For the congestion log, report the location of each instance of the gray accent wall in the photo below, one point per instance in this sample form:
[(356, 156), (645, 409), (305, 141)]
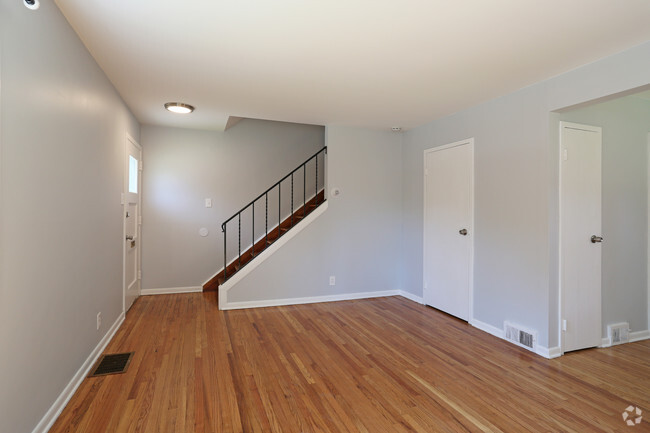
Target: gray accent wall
[(516, 190), (183, 167), (62, 137), (626, 123), (357, 239)]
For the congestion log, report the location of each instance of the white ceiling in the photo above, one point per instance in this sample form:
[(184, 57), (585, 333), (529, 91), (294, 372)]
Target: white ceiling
[(371, 63)]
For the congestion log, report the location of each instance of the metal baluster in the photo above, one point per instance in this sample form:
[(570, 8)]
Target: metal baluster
[(291, 199), (279, 207), (266, 221), (225, 235), (239, 240), (304, 189), (316, 185), (253, 234)]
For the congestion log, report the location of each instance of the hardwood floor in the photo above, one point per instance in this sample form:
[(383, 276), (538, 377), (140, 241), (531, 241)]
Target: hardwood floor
[(371, 366)]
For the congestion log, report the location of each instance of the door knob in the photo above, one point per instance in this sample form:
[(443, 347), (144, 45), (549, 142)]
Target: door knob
[(595, 239), (129, 237), (463, 232)]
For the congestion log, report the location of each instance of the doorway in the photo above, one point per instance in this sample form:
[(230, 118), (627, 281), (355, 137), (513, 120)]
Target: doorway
[(580, 235), (132, 222), (449, 227)]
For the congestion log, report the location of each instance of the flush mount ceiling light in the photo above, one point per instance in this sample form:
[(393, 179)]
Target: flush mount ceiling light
[(179, 107)]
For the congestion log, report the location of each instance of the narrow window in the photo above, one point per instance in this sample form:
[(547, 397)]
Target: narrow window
[(133, 175)]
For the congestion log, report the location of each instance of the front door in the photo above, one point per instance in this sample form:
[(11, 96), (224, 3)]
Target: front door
[(580, 234), (448, 231), (132, 222)]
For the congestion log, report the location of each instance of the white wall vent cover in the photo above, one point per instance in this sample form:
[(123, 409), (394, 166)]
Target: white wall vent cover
[(619, 333), (519, 335)]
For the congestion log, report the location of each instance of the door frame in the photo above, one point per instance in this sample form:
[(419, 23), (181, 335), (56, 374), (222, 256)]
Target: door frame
[(467, 142), (580, 126), (125, 187)]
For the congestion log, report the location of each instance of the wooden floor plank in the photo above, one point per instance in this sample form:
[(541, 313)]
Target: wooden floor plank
[(364, 366)]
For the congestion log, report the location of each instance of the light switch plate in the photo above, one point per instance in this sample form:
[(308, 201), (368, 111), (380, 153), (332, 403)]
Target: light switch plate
[(208, 202)]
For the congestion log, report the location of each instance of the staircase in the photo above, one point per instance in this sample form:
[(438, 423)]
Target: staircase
[(280, 208)]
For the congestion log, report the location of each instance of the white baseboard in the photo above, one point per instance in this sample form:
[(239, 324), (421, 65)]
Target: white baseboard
[(634, 336), (639, 335), (549, 352), (55, 410), (493, 330), (170, 290), (546, 352), (411, 296), (306, 300)]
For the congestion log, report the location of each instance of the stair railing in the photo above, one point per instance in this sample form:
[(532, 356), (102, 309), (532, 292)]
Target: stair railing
[(304, 166)]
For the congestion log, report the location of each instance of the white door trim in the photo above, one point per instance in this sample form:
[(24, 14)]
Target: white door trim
[(648, 229), (125, 187), (581, 127), (469, 142)]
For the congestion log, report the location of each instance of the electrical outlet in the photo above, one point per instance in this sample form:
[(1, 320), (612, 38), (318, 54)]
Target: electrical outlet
[(332, 280), (99, 320)]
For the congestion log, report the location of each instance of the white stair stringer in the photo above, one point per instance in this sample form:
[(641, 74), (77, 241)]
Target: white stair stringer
[(268, 252)]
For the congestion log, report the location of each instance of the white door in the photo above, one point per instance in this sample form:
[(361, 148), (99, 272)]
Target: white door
[(132, 221), (448, 231), (580, 235)]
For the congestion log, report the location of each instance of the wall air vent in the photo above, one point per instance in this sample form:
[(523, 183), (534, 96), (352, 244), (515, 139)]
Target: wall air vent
[(519, 335), (619, 333)]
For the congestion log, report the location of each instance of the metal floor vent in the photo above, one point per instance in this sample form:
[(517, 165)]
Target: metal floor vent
[(519, 335), (112, 364)]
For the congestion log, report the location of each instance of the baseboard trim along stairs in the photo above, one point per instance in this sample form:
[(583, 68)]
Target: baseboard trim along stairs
[(260, 258)]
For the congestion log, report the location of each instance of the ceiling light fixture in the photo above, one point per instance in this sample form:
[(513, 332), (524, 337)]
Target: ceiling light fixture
[(179, 107), (32, 4)]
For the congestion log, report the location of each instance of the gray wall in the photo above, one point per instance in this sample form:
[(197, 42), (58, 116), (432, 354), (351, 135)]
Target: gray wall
[(516, 209), (357, 239), (625, 123), (182, 167), (62, 148)]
